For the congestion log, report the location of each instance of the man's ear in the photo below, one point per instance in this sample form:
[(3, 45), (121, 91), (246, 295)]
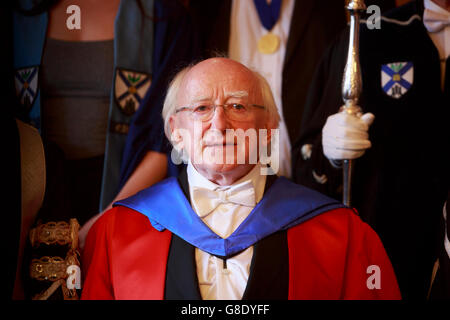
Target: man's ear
[(172, 129), (269, 127), (176, 135)]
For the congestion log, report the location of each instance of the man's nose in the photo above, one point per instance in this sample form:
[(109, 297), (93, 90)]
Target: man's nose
[(219, 120)]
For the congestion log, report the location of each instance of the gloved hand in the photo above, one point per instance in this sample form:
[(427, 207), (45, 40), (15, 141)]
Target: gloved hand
[(345, 136)]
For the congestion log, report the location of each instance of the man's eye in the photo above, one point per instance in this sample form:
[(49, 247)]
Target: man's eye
[(238, 107), (201, 109)]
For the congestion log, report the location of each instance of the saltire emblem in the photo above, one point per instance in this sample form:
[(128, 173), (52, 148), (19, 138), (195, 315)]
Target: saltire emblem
[(130, 89), (26, 83), (397, 78)]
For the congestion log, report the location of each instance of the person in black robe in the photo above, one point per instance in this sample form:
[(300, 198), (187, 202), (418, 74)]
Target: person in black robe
[(400, 184)]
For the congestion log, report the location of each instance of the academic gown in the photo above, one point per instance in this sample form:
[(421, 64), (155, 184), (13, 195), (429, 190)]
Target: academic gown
[(401, 182), (325, 253)]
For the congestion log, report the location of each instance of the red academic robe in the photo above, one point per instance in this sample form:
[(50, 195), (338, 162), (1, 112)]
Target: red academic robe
[(331, 256)]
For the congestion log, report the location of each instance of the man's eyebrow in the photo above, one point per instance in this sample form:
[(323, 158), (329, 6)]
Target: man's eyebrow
[(201, 98), (237, 94), (234, 94)]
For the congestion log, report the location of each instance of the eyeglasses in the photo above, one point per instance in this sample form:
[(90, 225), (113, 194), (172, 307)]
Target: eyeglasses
[(233, 111)]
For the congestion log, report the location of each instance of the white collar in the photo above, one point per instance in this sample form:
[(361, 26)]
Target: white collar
[(196, 179), (431, 6)]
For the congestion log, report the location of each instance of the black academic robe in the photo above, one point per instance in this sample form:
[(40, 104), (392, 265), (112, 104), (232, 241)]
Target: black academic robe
[(400, 184)]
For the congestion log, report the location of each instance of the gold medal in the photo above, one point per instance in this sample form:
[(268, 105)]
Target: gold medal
[(269, 43)]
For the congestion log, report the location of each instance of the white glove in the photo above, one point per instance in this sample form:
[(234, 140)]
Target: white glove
[(345, 136)]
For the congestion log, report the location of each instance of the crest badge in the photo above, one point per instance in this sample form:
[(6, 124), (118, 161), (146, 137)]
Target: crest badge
[(130, 88), (26, 83), (397, 78)]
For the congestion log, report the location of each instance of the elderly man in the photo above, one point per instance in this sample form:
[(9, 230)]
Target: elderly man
[(225, 229)]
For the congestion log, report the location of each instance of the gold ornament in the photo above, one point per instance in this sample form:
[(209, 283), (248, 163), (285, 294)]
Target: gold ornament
[(269, 43)]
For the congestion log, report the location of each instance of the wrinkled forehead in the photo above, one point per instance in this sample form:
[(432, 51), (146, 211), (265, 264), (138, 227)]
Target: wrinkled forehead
[(218, 79)]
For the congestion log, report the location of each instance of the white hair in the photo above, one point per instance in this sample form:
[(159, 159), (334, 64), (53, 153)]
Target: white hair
[(170, 102), (170, 106), (268, 100)]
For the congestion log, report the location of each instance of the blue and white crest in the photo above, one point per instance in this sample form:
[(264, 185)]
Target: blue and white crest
[(397, 78), (26, 83), (130, 88)]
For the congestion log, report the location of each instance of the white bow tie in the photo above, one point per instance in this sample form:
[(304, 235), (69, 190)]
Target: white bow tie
[(205, 201), (434, 21)]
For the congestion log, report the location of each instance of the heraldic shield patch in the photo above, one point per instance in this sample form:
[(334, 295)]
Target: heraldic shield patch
[(397, 78), (130, 88), (26, 83)]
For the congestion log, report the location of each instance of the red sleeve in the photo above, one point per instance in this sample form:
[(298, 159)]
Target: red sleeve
[(95, 260), (368, 270)]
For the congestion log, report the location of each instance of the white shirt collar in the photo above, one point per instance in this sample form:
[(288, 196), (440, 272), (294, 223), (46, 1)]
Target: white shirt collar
[(441, 39), (195, 179), (431, 6)]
